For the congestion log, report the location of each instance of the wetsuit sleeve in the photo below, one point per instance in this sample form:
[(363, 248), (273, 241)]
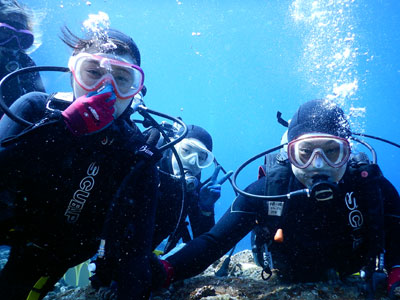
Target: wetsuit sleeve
[(131, 230), (30, 107), (237, 221), (199, 222), (20, 155), (392, 223)]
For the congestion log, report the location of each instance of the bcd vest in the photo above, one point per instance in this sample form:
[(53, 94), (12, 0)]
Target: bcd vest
[(279, 179)]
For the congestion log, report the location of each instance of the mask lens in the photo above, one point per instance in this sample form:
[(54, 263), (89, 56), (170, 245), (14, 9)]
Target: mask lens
[(303, 152), (128, 80), (89, 73), (25, 39), (334, 150), (5, 34), (17, 39), (185, 149)]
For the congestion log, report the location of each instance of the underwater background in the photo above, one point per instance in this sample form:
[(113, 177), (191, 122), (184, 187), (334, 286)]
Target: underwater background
[(230, 65)]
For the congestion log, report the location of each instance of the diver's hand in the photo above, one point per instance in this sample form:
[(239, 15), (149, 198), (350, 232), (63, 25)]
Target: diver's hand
[(102, 273), (169, 272), (211, 191), (394, 283), (162, 273), (107, 293), (92, 112)]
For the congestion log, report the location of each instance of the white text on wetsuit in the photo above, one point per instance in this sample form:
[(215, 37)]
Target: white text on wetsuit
[(80, 196), (356, 219)]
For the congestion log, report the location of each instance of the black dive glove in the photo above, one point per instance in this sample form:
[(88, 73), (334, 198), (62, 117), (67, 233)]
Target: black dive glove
[(162, 273), (108, 293), (102, 274)]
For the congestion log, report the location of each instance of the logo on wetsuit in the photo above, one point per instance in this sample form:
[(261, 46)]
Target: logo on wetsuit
[(356, 219), (77, 202), (146, 149)]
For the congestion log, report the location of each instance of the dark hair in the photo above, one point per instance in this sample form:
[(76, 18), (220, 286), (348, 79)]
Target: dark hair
[(319, 116), (16, 14), (100, 41)]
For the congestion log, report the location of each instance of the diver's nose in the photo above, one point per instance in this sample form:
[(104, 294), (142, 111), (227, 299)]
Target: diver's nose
[(318, 161), (108, 80), (192, 160)]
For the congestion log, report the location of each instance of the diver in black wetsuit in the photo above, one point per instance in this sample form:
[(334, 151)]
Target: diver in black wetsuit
[(194, 151), (351, 217), (195, 154), (79, 177), (15, 38)]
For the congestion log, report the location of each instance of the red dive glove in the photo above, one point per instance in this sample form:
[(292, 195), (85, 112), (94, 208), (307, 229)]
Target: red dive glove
[(393, 280), (92, 112), (169, 270)]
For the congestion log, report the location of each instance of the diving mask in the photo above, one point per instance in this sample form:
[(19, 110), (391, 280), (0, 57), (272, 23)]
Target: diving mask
[(193, 153), (91, 71), (335, 151), (18, 39)]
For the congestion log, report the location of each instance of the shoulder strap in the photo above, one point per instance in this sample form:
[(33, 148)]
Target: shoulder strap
[(277, 171), (361, 170)]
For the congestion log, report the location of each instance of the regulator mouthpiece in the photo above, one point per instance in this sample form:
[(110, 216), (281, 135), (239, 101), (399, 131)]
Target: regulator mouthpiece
[(322, 189), (191, 182)]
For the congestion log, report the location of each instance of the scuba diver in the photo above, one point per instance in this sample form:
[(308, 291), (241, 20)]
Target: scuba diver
[(195, 153), (16, 37), (320, 211), (173, 207), (82, 177)]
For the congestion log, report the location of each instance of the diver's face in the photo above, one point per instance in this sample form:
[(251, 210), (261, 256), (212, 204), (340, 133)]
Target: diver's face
[(194, 156), (318, 155), (120, 104), (307, 176)]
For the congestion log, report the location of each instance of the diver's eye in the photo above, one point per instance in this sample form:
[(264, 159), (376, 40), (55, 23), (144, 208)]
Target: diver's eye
[(94, 73), (185, 151), (305, 154), (202, 157), (330, 151), (122, 79), (305, 151)]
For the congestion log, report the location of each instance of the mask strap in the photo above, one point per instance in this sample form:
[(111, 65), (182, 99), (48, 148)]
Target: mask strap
[(280, 120)]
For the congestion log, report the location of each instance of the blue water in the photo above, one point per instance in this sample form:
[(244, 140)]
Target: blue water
[(229, 66)]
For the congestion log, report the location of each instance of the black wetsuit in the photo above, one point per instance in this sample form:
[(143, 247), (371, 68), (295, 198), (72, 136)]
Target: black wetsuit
[(344, 233), (30, 107), (169, 209), (15, 88), (170, 205), (65, 188)]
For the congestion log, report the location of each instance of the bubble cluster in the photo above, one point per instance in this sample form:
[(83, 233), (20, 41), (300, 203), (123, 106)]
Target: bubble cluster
[(330, 55), (97, 25)]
